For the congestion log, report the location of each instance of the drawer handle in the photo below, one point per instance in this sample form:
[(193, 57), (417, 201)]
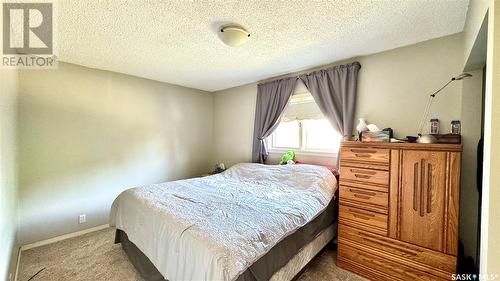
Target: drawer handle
[(362, 194), (366, 172), (422, 188), (364, 151), (363, 217), (354, 211), (429, 188), (362, 176), (369, 193), (362, 155)]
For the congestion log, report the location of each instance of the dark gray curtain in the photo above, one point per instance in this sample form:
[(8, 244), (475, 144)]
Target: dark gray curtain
[(272, 98), (334, 90)]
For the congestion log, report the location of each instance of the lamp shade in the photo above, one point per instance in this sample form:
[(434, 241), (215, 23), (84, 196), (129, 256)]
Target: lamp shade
[(462, 76), (233, 35)]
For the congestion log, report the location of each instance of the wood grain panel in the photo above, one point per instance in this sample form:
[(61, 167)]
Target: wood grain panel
[(394, 186), (372, 208), (361, 175), (367, 258), (363, 197), (367, 165), (368, 220), (403, 146), (453, 203), (363, 185), (364, 154), (423, 190), (398, 218), (443, 263)]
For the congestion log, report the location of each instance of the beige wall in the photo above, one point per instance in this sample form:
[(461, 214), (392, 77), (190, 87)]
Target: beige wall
[(85, 135), (8, 182), (394, 86), (395, 83), (470, 118), (475, 14), (234, 111)]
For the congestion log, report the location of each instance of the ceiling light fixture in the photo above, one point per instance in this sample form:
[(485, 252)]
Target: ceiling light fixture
[(233, 35)]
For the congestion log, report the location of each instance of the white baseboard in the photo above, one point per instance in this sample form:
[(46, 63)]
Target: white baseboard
[(17, 265), (62, 237)]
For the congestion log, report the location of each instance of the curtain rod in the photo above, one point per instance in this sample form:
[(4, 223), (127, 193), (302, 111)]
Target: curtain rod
[(297, 74)]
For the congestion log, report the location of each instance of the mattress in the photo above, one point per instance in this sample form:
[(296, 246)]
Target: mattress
[(283, 262), (217, 227)]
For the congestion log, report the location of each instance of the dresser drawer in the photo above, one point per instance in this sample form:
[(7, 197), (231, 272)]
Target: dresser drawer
[(363, 196), (440, 264), (364, 219), (388, 269), (365, 155), (369, 176)]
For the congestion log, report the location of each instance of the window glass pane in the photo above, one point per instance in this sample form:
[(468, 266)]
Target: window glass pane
[(287, 135), (319, 135)]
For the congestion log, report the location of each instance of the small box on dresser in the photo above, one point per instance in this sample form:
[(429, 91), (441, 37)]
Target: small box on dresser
[(398, 215)]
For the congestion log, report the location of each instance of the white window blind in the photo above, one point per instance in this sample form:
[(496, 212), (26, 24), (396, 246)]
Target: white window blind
[(301, 107)]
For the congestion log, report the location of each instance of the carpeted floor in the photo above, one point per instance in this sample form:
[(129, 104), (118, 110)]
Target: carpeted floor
[(94, 256)]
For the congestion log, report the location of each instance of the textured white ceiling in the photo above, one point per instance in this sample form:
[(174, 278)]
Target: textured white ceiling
[(176, 41)]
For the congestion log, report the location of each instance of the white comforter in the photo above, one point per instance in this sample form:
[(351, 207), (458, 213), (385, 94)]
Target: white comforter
[(214, 228)]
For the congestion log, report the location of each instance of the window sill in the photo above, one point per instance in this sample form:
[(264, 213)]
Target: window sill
[(305, 153)]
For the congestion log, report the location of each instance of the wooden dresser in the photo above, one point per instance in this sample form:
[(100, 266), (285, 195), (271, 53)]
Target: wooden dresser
[(398, 215)]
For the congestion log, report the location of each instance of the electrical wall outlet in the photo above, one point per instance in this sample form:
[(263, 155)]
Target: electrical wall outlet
[(82, 218)]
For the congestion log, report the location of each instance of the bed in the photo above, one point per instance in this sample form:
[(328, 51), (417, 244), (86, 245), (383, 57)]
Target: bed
[(251, 222)]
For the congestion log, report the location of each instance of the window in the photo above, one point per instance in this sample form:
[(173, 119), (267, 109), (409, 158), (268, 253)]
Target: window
[(304, 129), (286, 135), (320, 136)]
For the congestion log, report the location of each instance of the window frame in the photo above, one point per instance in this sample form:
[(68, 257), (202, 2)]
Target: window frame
[(301, 150)]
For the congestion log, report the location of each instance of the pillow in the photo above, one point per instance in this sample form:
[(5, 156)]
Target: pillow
[(334, 171)]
